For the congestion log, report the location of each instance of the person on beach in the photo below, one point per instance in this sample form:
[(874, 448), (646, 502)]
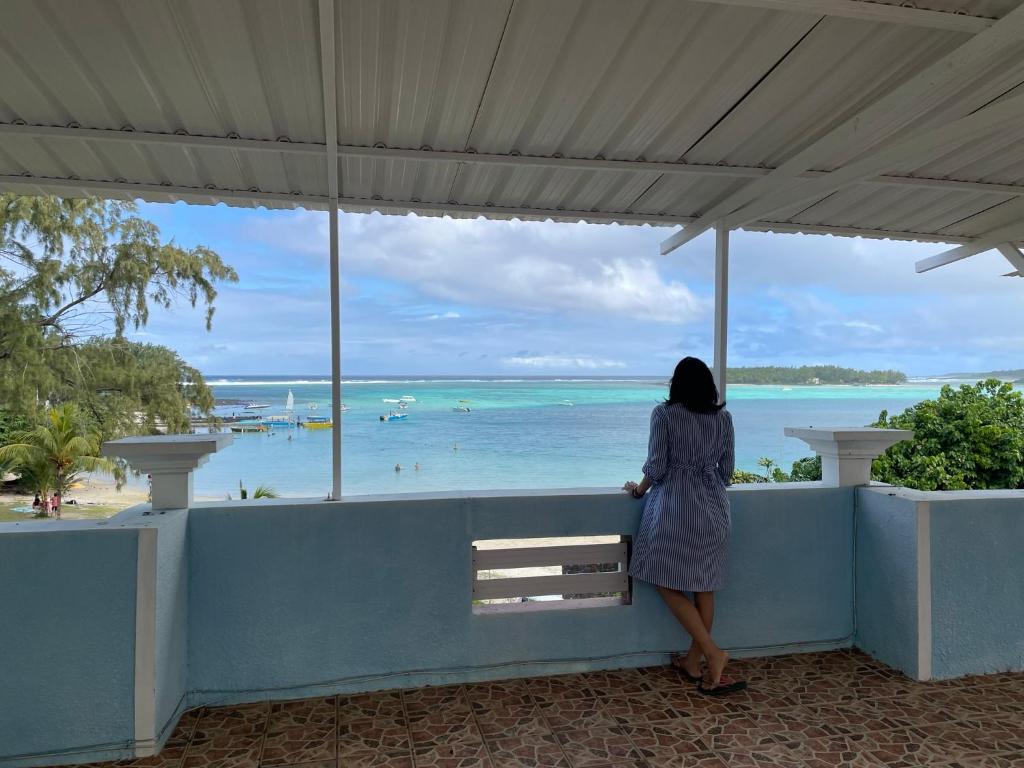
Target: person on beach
[(36, 504), (46, 505), (683, 541), (55, 504)]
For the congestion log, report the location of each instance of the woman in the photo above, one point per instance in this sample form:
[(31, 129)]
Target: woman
[(684, 533)]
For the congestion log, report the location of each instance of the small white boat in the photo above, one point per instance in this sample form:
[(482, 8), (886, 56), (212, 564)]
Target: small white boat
[(345, 407), (312, 406), (252, 405), (462, 406), (391, 400), (566, 402), (289, 404), (407, 399)]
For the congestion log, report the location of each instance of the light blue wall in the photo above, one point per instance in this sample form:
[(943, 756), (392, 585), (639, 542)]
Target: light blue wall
[(171, 616), (377, 593), (67, 637), (977, 543), (887, 577)]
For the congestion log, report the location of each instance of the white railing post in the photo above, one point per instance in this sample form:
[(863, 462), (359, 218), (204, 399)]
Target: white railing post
[(847, 452), (721, 307), (170, 461)]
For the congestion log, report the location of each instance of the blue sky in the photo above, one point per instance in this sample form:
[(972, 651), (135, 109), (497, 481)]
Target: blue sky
[(426, 295)]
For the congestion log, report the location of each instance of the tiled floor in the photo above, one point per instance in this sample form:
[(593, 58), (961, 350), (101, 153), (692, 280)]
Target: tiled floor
[(806, 711)]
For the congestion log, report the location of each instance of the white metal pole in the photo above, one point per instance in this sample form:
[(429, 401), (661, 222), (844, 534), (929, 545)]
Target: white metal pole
[(335, 356), (721, 305)]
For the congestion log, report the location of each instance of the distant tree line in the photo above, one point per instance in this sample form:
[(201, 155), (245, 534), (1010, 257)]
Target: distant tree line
[(812, 374)]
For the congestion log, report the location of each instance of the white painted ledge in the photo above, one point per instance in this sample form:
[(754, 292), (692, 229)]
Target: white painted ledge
[(846, 452), (170, 461)]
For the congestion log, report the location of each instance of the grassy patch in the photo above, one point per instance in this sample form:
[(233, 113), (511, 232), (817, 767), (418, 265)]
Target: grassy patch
[(71, 511)]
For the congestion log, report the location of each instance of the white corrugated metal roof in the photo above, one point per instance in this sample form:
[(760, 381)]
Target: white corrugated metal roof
[(735, 83)]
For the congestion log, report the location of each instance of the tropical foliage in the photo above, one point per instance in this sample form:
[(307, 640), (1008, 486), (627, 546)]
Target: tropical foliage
[(74, 275), (970, 437), (49, 457)]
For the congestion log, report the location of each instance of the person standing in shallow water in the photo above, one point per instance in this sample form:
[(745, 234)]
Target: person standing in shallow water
[(683, 541)]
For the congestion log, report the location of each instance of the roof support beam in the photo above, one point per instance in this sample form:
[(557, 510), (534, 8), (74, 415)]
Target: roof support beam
[(993, 239), (895, 111), (473, 158), (1013, 255), (872, 11), (203, 195)]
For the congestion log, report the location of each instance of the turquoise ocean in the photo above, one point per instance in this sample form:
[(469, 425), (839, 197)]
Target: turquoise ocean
[(520, 432)]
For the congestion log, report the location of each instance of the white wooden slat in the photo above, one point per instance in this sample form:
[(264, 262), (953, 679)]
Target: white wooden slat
[(529, 557), (531, 586)]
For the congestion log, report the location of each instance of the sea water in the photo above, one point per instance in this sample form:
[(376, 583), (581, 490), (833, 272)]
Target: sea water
[(519, 433)]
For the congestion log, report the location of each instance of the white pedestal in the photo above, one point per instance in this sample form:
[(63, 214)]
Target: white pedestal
[(169, 460), (846, 452)]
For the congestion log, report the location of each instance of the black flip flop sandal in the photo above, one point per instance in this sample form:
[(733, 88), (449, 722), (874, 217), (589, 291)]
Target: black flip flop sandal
[(722, 689)]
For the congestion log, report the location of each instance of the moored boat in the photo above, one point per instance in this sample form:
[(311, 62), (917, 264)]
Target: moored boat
[(392, 416), (318, 422), (240, 428)]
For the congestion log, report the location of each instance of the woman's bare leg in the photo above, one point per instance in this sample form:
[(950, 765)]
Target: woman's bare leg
[(705, 602), (686, 613)]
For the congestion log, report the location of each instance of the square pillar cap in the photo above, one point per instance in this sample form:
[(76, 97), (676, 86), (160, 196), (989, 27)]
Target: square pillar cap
[(849, 441), (152, 453)]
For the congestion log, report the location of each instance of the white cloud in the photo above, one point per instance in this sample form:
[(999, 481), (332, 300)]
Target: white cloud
[(584, 269), (559, 361), (445, 316)]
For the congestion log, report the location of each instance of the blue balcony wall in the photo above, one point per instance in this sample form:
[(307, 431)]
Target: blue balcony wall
[(977, 541), (67, 642), (375, 593), (887, 620)]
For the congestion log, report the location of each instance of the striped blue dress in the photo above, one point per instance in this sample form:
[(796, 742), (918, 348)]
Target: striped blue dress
[(683, 539)]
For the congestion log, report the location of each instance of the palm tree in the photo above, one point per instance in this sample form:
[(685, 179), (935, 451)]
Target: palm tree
[(53, 454), (263, 492)]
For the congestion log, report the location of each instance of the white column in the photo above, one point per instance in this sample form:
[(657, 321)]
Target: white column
[(169, 460), (721, 306), (847, 452), (335, 356)]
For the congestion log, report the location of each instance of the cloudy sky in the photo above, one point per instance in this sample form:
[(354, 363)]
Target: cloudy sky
[(443, 296)]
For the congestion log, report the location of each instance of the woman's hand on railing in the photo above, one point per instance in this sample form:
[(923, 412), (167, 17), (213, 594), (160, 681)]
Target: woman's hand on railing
[(636, 490)]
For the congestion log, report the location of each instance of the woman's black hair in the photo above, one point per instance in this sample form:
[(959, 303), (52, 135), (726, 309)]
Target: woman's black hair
[(693, 387)]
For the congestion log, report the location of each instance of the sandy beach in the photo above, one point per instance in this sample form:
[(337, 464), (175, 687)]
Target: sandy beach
[(94, 496)]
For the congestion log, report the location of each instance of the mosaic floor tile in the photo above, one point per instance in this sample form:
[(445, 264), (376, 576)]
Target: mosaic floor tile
[(299, 745), (838, 752), (375, 759), (539, 750), (222, 757), (666, 678), (302, 713), (520, 720), (723, 732), (576, 714), (445, 728), (370, 706), (558, 687), (598, 747), (775, 756), (697, 760), (169, 757), (645, 709), (451, 756), (241, 720), (618, 682), (498, 693), (1013, 760), (378, 734), (796, 724), (664, 742)]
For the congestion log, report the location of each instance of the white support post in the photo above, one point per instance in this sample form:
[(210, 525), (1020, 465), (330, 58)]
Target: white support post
[(721, 307), (328, 71)]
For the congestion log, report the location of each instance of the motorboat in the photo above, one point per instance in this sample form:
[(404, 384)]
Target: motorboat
[(252, 405), (462, 406), (407, 399), (318, 422), (392, 416), (566, 402), (242, 428)]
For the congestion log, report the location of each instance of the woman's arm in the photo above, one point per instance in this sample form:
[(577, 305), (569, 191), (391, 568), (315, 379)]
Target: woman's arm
[(657, 455), (727, 461)]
